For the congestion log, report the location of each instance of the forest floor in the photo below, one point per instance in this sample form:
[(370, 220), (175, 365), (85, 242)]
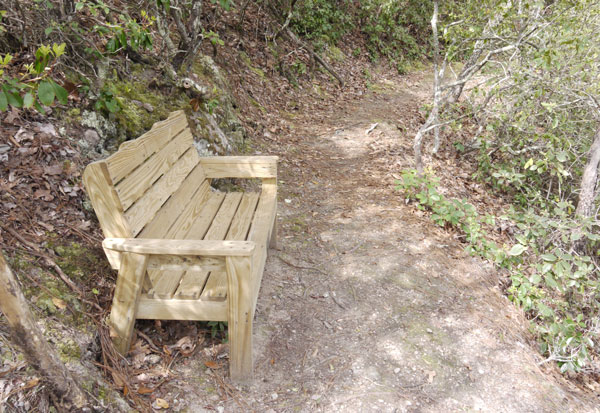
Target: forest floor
[(367, 305)]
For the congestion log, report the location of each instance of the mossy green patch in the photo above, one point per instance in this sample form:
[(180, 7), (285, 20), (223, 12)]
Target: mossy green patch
[(252, 68), (258, 105), (68, 350), (134, 118), (320, 91), (76, 260), (335, 54), (298, 224)]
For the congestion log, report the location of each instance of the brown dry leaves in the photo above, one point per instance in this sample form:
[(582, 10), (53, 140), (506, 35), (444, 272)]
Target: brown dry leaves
[(40, 180)]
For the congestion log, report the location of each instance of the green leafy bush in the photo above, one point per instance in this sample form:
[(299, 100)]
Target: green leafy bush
[(323, 21), (398, 30), (35, 87)]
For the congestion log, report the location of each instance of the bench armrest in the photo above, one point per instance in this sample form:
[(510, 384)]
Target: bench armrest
[(180, 247), (240, 166)]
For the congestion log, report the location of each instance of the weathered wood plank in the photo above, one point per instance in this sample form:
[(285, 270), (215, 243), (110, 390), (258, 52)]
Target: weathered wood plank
[(210, 248), (218, 230), (202, 222), (222, 221), (216, 286), (240, 314), (185, 263), (133, 186), (261, 229), (165, 283), (109, 210), (192, 283), (174, 309), (125, 302), (192, 193), (133, 153), (240, 224), (240, 166), (144, 209)]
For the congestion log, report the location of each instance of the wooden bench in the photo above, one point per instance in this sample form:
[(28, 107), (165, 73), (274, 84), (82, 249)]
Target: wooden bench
[(183, 250)]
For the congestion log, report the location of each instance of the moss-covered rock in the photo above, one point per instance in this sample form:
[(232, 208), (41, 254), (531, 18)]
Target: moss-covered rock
[(142, 106)]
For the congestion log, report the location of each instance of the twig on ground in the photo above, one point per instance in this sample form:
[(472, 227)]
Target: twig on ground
[(302, 267), (335, 299), (149, 340)]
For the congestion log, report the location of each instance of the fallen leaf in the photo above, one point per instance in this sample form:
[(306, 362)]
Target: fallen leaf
[(59, 303), (44, 194), (69, 86), (145, 390), (118, 379), (56, 169), (47, 128), (32, 383), (23, 135), (27, 151), (212, 365), (84, 225), (160, 404), (12, 115), (185, 345)]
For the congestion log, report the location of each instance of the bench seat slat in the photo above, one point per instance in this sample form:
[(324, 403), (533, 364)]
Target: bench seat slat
[(168, 282), (161, 280), (192, 282), (164, 282), (216, 285)]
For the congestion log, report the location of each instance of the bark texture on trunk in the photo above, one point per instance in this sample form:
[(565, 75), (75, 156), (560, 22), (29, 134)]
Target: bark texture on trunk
[(25, 334), (585, 205)]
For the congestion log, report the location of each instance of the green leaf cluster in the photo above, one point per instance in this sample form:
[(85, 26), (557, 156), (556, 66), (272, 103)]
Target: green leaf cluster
[(34, 88)]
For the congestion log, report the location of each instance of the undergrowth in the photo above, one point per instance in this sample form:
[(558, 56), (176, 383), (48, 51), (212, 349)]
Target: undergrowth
[(398, 31), (557, 286)]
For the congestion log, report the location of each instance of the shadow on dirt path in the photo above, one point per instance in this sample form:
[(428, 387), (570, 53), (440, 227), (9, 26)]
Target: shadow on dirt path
[(368, 307)]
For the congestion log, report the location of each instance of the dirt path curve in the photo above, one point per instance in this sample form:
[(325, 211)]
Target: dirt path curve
[(368, 307)]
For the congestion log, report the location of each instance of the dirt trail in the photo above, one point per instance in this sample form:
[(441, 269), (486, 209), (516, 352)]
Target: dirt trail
[(368, 307)]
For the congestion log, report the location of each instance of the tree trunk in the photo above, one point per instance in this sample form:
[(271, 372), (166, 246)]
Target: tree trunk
[(66, 393), (436, 76), (585, 205)]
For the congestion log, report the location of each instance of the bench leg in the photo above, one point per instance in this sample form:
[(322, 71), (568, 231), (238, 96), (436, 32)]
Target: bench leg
[(273, 242), (125, 301), (240, 315)]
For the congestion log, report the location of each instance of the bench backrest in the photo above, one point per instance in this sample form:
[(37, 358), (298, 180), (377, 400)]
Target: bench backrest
[(148, 187)]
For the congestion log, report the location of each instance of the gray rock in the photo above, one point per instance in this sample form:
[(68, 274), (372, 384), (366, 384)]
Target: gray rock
[(105, 128), (148, 107), (91, 137)]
